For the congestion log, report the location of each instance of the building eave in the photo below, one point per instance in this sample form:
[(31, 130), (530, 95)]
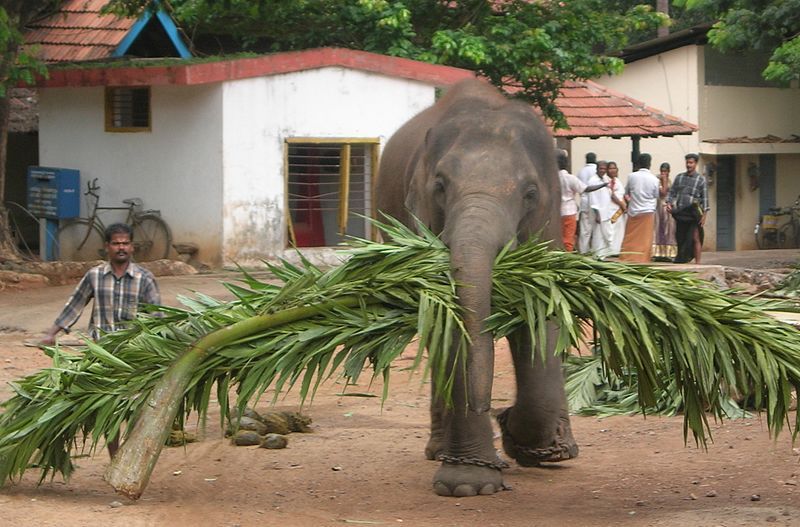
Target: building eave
[(696, 35), (181, 73)]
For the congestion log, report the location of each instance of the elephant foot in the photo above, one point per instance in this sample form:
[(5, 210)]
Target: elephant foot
[(463, 477), (562, 448)]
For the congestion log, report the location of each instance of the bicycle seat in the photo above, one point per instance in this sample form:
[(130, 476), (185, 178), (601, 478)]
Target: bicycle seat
[(136, 202)]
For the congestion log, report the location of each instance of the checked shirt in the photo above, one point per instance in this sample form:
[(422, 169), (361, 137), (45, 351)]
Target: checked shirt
[(686, 190), (115, 299)]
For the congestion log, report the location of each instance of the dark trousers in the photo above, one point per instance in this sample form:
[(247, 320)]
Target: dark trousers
[(684, 235), (686, 222)]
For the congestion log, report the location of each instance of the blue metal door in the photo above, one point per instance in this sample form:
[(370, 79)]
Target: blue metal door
[(766, 182), (726, 203)]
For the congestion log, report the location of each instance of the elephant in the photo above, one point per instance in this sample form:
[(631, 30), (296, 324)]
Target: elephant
[(479, 170)]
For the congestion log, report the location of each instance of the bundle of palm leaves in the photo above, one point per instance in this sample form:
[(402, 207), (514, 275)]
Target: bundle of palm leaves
[(667, 327), (593, 390), (790, 285)]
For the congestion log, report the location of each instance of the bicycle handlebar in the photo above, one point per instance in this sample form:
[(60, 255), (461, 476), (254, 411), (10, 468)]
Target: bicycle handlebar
[(92, 188), (782, 211)]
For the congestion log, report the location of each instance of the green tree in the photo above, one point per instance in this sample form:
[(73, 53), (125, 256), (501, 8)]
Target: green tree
[(16, 66), (772, 25), (680, 17), (533, 47)]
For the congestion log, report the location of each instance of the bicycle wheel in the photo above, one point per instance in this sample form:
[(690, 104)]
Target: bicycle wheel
[(151, 238), (24, 230), (767, 237), (760, 241), (80, 240), (787, 237)]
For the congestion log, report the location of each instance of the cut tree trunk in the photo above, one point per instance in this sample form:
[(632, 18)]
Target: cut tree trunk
[(8, 247), (131, 467)]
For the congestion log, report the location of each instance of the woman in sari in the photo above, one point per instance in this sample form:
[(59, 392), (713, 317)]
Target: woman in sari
[(664, 244)]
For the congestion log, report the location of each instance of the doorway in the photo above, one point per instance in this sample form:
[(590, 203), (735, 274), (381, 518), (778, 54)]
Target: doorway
[(726, 203)]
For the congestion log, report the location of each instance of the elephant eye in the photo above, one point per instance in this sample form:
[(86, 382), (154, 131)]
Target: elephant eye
[(439, 191), (532, 193), (438, 185)]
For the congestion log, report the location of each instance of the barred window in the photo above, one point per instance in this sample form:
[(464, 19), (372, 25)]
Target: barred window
[(329, 184), (128, 109)]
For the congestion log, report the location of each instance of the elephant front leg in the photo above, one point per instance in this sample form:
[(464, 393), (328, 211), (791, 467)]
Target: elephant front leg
[(469, 467), (463, 442), (537, 428)]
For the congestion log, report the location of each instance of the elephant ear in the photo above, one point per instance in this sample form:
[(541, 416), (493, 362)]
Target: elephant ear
[(419, 201)]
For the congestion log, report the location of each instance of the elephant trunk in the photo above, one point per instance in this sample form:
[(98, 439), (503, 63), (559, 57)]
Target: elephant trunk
[(474, 244)]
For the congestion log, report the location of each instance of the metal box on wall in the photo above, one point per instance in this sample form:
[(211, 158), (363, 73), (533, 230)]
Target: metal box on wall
[(54, 193)]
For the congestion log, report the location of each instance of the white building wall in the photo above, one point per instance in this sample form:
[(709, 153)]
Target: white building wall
[(758, 112), (175, 168), (259, 114)]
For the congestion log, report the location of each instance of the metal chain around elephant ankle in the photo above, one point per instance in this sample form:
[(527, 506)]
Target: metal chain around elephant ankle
[(543, 454), (497, 465), (540, 454)]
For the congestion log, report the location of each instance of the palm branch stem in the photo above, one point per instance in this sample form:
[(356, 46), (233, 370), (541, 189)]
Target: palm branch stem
[(130, 469)]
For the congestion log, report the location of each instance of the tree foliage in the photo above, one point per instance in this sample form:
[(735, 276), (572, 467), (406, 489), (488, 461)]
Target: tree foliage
[(771, 25), (15, 66), (533, 47), (680, 17)]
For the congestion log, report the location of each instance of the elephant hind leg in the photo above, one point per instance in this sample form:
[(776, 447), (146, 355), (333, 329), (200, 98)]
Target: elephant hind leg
[(537, 428), (562, 448)]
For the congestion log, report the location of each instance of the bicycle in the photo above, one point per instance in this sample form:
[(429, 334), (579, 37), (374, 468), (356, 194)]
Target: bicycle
[(82, 239), (770, 235)]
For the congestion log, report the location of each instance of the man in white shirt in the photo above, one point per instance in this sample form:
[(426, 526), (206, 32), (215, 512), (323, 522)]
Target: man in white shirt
[(603, 207), (570, 187), (642, 193), (586, 218)]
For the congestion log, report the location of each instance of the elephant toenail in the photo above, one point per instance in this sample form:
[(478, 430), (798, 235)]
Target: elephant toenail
[(464, 490), (441, 489), (487, 489)]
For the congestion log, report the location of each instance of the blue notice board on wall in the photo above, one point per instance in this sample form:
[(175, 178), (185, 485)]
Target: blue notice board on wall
[(54, 193)]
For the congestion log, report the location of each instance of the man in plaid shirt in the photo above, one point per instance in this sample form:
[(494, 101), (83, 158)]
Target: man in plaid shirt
[(117, 287), (687, 201)]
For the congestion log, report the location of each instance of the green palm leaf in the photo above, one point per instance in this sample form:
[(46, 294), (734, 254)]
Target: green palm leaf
[(669, 329)]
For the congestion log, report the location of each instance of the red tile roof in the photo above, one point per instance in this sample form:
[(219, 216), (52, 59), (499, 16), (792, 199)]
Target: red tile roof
[(593, 110), (77, 32)]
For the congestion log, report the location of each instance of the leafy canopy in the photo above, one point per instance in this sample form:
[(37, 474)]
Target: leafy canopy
[(533, 46), (772, 25), (16, 64)]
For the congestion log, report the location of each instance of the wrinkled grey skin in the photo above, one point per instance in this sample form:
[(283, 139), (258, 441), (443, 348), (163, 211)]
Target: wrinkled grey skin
[(480, 171)]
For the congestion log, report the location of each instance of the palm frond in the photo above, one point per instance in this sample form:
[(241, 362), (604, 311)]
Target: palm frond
[(668, 328), (593, 391)]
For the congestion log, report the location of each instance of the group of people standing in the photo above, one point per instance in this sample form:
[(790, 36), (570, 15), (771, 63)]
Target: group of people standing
[(644, 219)]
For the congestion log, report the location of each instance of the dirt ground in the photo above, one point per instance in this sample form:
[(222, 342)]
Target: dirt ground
[(363, 464)]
